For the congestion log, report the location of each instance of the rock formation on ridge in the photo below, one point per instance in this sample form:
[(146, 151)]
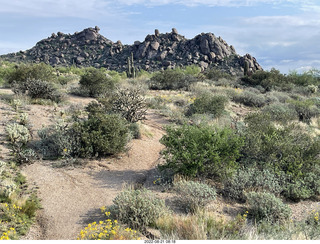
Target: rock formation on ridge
[(157, 51)]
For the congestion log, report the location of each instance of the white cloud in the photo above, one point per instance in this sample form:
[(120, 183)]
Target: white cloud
[(225, 3), (60, 8)]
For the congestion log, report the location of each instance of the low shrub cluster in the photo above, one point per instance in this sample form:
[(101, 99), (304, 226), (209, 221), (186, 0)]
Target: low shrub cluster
[(251, 179), (194, 195), (208, 104), (250, 99), (201, 151), (38, 89), (138, 208), (25, 72), (171, 79), (98, 135), (266, 206), (96, 83)]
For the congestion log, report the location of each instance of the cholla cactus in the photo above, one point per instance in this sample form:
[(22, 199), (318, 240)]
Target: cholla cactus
[(2, 166), (23, 119), (16, 104), (7, 187), (18, 135)]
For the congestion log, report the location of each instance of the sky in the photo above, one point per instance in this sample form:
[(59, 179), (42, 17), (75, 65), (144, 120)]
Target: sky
[(281, 34)]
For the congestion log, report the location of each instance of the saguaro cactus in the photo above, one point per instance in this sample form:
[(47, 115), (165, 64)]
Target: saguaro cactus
[(131, 72)]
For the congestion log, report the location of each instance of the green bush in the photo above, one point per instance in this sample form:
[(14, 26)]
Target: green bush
[(101, 135), (280, 112), (286, 151), (96, 83), (201, 151), (43, 89), (306, 187), (216, 74), (138, 208), (250, 99), (97, 136), (171, 79), (309, 78), (208, 104), (249, 179), (25, 72), (288, 148), (58, 140), (267, 79), (194, 195), (266, 206), (306, 109), (134, 129)]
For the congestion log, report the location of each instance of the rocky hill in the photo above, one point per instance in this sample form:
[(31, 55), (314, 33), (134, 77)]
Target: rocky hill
[(157, 51)]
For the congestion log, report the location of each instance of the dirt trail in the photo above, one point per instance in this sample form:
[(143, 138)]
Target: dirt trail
[(71, 198)]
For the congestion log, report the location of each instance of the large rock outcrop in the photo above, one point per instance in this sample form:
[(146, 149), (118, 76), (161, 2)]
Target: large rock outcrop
[(157, 51)]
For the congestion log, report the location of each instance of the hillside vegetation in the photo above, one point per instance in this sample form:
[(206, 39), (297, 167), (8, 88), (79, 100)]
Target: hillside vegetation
[(240, 154)]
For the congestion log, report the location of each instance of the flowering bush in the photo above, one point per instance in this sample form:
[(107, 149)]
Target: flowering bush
[(107, 230), (11, 234)]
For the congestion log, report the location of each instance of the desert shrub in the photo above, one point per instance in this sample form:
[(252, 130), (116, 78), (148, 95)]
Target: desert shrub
[(101, 135), (216, 74), (286, 151), (134, 129), (96, 136), (250, 99), (25, 72), (96, 83), (306, 109), (280, 112), (282, 97), (266, 206), (286, 148), (249, 179), (107, 230), (267, 79), (201, 151), (171, 79), (208, 104), (43, 89), (57, 140), (130, 103), (138, 208), (202, 225), (156, 102), (308, 78), (194, 195), (66, 79), (305, 187), (192, 70)]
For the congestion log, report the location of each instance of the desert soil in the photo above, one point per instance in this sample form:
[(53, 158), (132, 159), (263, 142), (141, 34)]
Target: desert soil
[(71, 197)]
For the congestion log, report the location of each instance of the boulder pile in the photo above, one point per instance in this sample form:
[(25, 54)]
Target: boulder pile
[(157, 51)]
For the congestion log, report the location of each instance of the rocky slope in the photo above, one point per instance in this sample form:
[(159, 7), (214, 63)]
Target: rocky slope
[(157, 51)]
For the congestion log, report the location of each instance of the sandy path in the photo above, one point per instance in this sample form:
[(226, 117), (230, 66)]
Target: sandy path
[(71, 198)]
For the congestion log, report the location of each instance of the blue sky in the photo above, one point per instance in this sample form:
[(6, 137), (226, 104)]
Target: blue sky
[(283, 34)]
